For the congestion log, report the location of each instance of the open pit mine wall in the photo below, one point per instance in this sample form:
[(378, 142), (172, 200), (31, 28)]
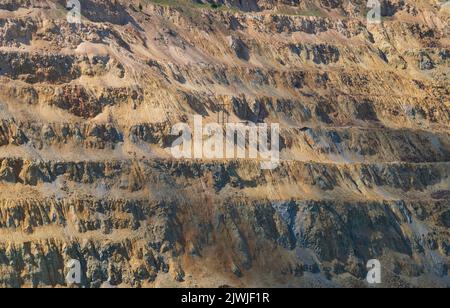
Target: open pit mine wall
[(86, 172)]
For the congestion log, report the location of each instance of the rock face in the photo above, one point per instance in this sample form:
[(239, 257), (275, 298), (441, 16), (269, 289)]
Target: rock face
[(86, 112)]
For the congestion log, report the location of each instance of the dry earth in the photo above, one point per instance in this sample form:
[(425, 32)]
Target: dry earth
[(85, 118)]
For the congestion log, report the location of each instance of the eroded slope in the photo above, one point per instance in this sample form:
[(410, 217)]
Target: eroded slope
[(85, 118)]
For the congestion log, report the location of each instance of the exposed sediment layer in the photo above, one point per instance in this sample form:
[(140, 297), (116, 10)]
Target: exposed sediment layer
[(86, 172)]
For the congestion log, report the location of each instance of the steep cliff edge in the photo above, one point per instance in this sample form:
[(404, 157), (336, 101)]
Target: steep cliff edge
[(86, 172)]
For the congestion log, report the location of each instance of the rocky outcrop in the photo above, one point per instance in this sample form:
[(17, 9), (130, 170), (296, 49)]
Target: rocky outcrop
[(118, 253), (98, 136), (86, 171)]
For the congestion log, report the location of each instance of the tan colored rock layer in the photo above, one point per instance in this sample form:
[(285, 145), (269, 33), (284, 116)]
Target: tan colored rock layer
[(85, 118)]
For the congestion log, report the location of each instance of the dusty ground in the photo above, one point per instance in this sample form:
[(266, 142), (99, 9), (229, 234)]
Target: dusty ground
[(86, 172)]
